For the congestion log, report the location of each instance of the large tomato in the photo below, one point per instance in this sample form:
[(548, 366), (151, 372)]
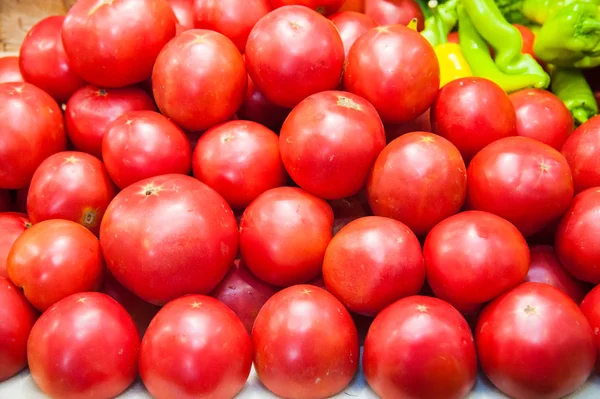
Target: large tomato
[(324, 7), (294, 52), (371, 263), (396, 70), (143, 144), (9, 69), (44, 63), (534, 342), (195, 347), (32, 129), (421, 123), (73, 186), (329, 143), (522, 180), (17, 317), (419, 179), (353, 5), (391, 12), (420, 347), (590, 306), (115, 43), (258, 109), (84, 347), (351, 26), (168, 236), (199, 79), (283, 236), (473, 257), (582, 151), (305, 344)]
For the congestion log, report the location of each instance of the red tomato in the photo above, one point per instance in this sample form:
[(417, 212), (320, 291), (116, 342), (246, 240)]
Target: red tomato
[(348, 209), (239, 160), (420, 347), (184, 12), (528, 38), (283, 236), (305, 344), (294, 52), (391, 12), (542, 116), (371, 263), (5, 201), (115, 43), (400, 84), (421, 123), (243, 293), (522, 180), (582, 151), (419, 179), (329, 143), (195, 347), (324, 7), (199, 79), (91, 109), (258, 109), (534, 342), (351, 26), (17, 317), (32, 129), (97, 344), (591, 310), (9, 69), (54, 259), (472, 113), (168, 236), (144, 144), (453, 38), (73, 186), (353, 5), (473, 257), (44, 63)]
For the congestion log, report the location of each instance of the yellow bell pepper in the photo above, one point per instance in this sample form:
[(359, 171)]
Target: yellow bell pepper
[(453, 64)]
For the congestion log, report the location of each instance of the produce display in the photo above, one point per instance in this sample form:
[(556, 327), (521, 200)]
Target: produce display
[(192, 191)]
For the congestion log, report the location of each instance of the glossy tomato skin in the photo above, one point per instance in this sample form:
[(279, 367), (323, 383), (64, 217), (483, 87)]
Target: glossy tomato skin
[(32, 129), (400, 363), (184, 12), (283, 236), (44, 63), (472, 113), (107, 47), (168, 236), (324, 7), (54, 259), (199, 79), (582, 151), (522, 180), (473, 257), (17, 316), (590, 306), (102, 352), (540, 329), (372, 262), (353, 5), (542, 116), (258, 109), (70, 185), (9, 70), (351, 26), (329, 143), (419, 179), (144, 144), (294, 355), (386, 12), (294, 52), (195, 347)]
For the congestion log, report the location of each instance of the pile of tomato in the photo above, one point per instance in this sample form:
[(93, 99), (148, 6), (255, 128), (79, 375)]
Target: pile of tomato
[(188, 188)]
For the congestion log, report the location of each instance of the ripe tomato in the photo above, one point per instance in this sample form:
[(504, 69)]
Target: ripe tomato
[(472, 113), (582, 151), (115, 43), (351, 26), (32, 129), (473, 257), (144, 144), (5, 201), (44, 63), (96, 341), (421, 123), (9, 69), (184, 12), (283, 236), (419, 179), (73, 186), (54, 259), (528, 38), (353, 5), (329, 143), (522, 180), (391, 12), (324, 7), (420, 347), (371, 263), (542, 116), (348, 209), (258, 109), (305, 344), (199, 79), (239, 160), (168, 236), (590, 306), (534, 342), (195, 347), (17, 317), (401, 84), (453, 38), (294, 52)]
